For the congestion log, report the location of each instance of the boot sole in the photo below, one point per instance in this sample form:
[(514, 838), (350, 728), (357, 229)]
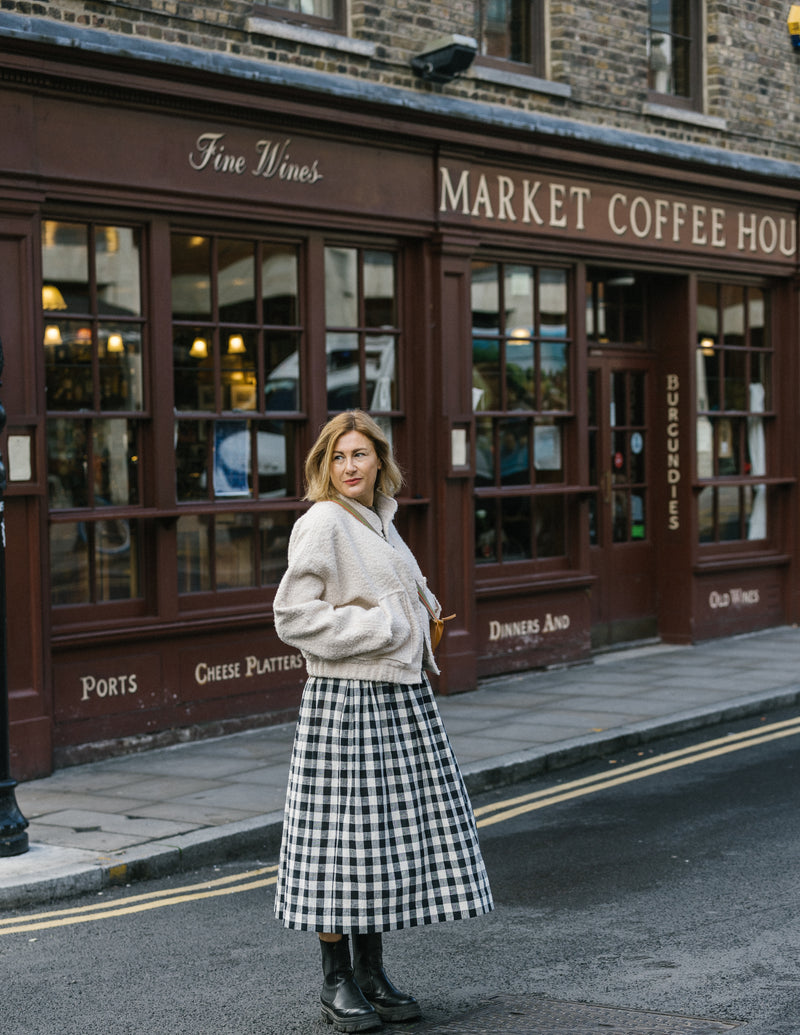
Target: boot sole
[(352, 1024), (409, 1012)]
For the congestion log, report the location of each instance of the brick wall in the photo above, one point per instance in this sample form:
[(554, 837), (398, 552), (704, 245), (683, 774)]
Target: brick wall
[(597, 49)]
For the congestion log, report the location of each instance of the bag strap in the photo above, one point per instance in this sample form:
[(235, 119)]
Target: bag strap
[(359, 517)]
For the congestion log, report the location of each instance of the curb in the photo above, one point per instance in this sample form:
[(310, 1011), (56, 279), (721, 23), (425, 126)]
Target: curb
[(71, 872)]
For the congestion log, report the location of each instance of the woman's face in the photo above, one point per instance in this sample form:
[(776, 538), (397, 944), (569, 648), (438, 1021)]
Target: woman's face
[(354, 467)]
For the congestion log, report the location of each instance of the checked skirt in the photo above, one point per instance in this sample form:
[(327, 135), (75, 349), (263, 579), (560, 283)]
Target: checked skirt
[(378, 830)]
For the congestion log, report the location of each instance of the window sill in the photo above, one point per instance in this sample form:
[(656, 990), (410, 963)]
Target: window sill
[(519, 80), (694, 118), (311, 37)]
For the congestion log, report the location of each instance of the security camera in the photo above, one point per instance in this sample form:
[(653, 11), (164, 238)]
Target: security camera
[(445, 58)]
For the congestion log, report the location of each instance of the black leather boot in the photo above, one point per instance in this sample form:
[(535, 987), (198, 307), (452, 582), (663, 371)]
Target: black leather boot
[(391, 1004), (343, 1004)]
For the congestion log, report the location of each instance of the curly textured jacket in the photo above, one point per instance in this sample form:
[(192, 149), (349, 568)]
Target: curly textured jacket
[(349, 599)]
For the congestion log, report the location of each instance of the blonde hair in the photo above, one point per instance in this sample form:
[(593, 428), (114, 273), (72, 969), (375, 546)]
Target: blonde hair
[(318, 462)]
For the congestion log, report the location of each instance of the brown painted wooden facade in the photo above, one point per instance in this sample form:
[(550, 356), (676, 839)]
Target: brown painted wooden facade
[(569, 485)]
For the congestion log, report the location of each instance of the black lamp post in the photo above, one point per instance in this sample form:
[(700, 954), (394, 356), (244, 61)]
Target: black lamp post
[(13, 838)]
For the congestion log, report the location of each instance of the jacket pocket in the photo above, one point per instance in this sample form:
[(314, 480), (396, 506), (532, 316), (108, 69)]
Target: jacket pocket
[(403, 623)]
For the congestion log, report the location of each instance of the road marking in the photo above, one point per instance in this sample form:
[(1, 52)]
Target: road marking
[(501, 811), (229, 885)]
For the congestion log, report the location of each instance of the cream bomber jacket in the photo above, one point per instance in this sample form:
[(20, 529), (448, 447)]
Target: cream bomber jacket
[(349, 599)]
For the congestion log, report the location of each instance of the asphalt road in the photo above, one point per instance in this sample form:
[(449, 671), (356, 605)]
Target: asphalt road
[(652, 881)]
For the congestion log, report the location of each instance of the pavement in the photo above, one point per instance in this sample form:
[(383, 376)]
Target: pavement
[(174, 809)]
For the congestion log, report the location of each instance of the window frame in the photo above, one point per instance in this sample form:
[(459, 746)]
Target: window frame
[(693, 101), (535, 64), (338, 23)]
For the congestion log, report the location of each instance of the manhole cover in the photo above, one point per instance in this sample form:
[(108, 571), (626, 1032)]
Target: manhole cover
[(527, 1015)]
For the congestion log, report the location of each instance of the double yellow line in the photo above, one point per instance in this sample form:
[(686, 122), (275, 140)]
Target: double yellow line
[(230, 885), (487, 815), (502, 811)]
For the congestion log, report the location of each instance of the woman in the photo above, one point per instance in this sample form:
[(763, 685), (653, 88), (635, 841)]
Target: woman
[(379, 832)]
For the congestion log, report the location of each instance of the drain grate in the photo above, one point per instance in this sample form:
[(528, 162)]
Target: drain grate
[(528, 1015)]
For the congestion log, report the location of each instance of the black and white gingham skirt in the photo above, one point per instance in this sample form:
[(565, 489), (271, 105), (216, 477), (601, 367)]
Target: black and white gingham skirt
[(378, 830)]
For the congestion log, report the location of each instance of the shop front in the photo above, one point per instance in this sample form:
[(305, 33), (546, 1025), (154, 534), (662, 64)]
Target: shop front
[(586, 364)]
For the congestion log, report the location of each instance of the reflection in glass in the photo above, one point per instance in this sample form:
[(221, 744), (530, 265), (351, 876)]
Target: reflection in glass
[(115, 456), (191, 460), (69, 564), (191, 277), (68, 365), (341, 287), (282, 366), (516, 523), (735, 380), (275, 442), (756, 318), (620, 517), (194, 564), (554, 376), (486, 374), (728, 504), (514, 452), (234, 553), (116, 553), (485, 293), (705, 514), (732, 302), (485, 531), (65, 267), (239, 369), (117, 270), (279, 285), (381, 379), (274, 530), (550, 527), (553, 302), (236, 289), (484, 451), (520, 374), (193, 368), (379, 289), (548, 453), (343, 373), (120, 367), (518, 284), (67, 463)]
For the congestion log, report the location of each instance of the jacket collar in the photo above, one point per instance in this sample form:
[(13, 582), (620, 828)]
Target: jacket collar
[(379, 517)]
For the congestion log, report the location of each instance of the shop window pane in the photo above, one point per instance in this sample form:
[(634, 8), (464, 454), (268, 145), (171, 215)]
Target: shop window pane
[(760, 373), (282, 366), (520, 375), (485, 531), (120, 367), (593, 459), (275, 441), (729, 504), (621, 517), (117, 268), (485, 293), (65, 267), (705, 514), (516, 543), (274, 530), (553, 303), (67, 464), (707, 313), (381, 376), (232, 458), (708, 377), (193, 368), (638, 515), (341, 287), (550, 527), (619, 410), (485, 473), (317, 8), (379, 290), (518, 288), (554, 376), (515, 452), (756, 318), (486, 374), (505, 30), (732, 301), (637, 400), (234, 549), (116, 558), (548, 453), (735, 380), (191, 277), (756, 511), (729, 446), (343, 375), (619, 458), (279, 291), (636, 444), (68, 365), (69, 564), (705, 448), (116, 458), (236, 288), (238, 369), (191, 460), (194, 566)]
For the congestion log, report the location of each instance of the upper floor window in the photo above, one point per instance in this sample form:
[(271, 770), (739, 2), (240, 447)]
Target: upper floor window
[(321, 14), (673, 52), (511, 31)]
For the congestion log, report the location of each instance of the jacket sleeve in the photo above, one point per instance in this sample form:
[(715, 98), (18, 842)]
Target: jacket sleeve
[(305, 619)]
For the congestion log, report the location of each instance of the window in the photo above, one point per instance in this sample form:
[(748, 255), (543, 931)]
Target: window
[(521, 398), (320, 14), (734, 400), (94, 345), (673, 52), (237, 343), (614, 307), (511, 31)]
